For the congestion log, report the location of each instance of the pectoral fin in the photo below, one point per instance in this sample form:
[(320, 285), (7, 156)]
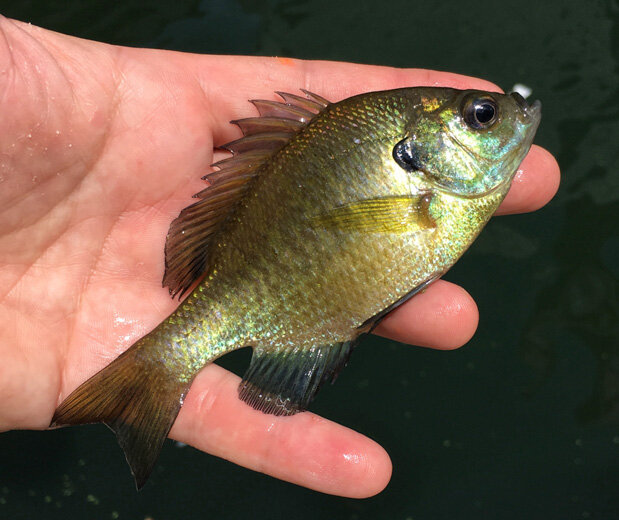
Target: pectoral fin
[(401, 214)]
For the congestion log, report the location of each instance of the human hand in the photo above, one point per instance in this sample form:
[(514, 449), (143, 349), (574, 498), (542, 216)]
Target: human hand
[(101, 148)]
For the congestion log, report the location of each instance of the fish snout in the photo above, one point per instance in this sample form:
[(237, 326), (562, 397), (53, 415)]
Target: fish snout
[(533, 111)]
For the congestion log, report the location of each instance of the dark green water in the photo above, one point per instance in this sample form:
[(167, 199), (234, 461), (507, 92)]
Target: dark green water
[(524, 421)]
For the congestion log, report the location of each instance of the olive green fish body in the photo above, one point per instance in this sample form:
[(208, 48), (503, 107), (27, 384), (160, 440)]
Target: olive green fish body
[(280, 279), (327, 216)]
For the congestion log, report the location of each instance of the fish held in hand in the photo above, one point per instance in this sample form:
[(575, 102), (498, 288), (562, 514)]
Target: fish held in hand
[(326, 217)]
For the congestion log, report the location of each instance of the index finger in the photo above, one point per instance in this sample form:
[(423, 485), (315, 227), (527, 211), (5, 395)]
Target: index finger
[(242, 78)]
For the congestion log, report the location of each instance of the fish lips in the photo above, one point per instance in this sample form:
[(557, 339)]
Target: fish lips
[(532, 111)]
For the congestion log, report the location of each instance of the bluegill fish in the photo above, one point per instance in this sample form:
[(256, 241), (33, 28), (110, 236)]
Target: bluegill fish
[(326, 217)]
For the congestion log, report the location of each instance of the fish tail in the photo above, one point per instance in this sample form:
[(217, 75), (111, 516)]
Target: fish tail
[(138, 398)]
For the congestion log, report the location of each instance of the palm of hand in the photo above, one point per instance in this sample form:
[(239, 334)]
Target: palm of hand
[(88, 194), (103, 147)]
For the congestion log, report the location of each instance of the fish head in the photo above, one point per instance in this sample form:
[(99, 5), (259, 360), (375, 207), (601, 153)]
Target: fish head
[(468, 142)]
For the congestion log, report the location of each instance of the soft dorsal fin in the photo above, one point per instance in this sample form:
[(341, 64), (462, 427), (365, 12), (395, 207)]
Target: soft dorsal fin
[(187, 249), (284, 381)]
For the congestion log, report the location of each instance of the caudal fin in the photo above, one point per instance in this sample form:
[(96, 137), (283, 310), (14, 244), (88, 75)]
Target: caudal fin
[(137, 398)]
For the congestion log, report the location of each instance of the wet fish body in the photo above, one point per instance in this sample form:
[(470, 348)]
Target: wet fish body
[(327, 216)]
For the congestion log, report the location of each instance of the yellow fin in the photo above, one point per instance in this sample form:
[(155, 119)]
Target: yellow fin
[(400, 214)]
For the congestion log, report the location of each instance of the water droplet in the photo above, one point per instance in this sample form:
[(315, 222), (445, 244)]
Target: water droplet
[(352, 457), (29, 136), (57, 132)]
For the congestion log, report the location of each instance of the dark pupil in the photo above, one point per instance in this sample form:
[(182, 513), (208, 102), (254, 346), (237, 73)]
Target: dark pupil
[(484, 113)]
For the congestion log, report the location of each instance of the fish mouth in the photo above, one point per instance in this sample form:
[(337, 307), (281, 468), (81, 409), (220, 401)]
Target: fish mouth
[(532, 112)]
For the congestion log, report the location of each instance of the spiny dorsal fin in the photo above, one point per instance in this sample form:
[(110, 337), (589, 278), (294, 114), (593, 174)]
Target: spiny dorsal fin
[(283, 110), (187, 249), (316, 98), (258, 125), (283, 382)]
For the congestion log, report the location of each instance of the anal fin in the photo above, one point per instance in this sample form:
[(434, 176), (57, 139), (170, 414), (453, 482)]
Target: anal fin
[(284, 381)]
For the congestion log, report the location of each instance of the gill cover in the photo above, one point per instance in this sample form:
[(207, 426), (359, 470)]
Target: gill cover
[(466, 144)]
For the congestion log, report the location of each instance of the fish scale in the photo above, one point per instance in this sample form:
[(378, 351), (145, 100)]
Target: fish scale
[(328, 216)]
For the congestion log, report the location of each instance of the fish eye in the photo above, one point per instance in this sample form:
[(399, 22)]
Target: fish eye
[(480, 113)]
